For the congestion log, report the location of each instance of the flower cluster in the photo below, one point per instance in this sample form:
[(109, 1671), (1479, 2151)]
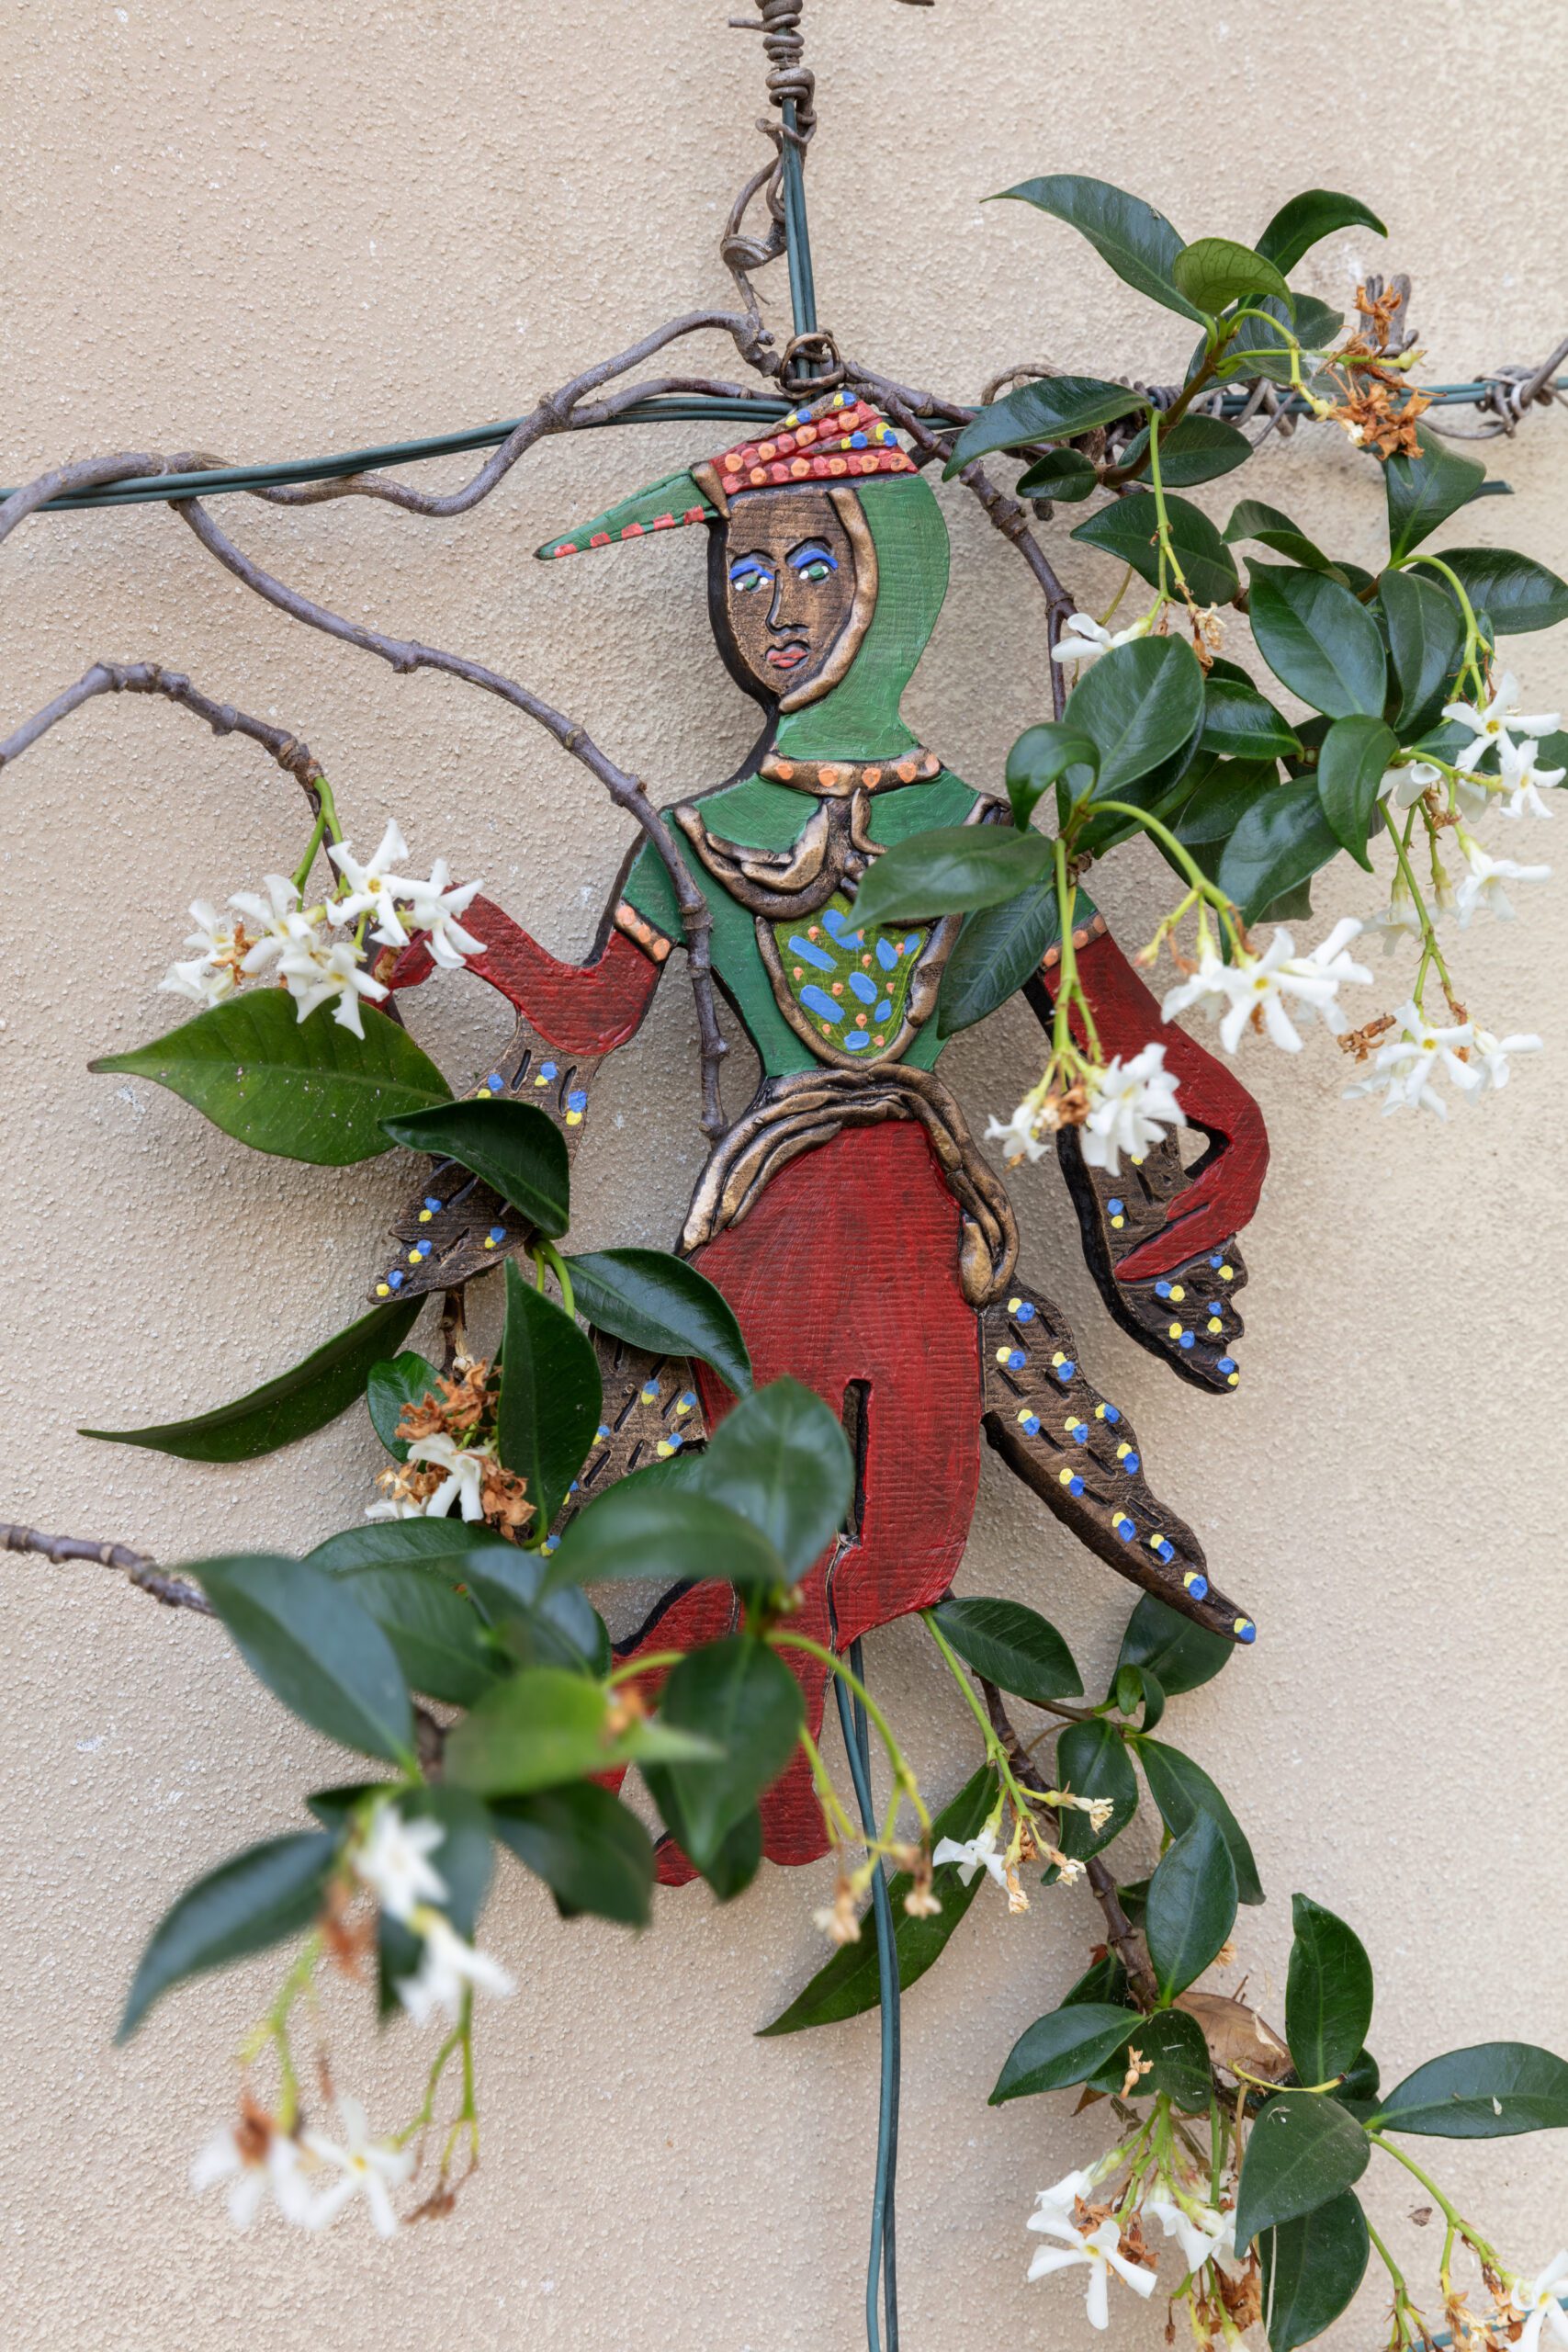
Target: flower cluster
[(452, 1457), (318, 952), (1106, 2236)]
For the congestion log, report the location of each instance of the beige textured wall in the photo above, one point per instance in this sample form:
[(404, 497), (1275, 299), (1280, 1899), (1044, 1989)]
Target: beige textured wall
[(285, 230)]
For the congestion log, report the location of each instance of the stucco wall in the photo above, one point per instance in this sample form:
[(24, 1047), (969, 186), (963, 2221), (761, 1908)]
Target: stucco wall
[(273, 231)]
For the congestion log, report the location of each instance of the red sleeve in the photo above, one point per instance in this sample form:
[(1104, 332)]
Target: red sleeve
[(577, 1008)]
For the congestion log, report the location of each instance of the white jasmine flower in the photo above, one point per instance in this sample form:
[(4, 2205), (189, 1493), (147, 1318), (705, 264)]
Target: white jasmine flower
[(1482, 886), (373, 890), (974, 1854), (275, 921), (448, 1966), (434, 907), (1491, 1057), (465, 1468), (1326, 968), (1017, 1135), (1197, 2228), (1101, 2250), (1398, 920), (369, 2168), (1403, 786), (1494, 720), (1064, 2197), (1131, 1105), (1404, 1069), (1084, 640), (1541, 2305), (1522, 781), (213, 973), (392, 1860), (1259, 986), (258, 2161), (315, 972)]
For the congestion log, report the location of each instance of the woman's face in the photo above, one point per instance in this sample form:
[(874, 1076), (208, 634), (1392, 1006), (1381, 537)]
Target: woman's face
[(789, 587)]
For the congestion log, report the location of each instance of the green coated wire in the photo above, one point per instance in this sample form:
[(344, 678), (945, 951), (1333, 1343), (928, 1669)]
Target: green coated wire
[(881, 2268)]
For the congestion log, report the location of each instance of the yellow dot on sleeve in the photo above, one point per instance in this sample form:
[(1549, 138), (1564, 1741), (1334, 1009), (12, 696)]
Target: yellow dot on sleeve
[(1174, 1331), (1013, 1306), (1118, 1222), (1214, 1323), (415, 1258), (425, 1216), (1227, 1273), (1002, 1354), (1177, 1295), (383, 1290), (1232, 1378)]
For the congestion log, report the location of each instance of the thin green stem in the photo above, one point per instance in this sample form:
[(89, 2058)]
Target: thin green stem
[(559, 1268), (1180, 857), (1024, 1802), (1168, 559), (645, 1665), (1431, 954), (1069, 991), (428, 2105), (302, 871), (902, 1775), (1472, 660), (1445, 2205), (841, 1829)]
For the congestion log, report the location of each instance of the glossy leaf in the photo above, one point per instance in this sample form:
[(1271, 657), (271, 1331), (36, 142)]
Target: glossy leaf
[(1262, 345), (1282, 840), (1012, 1646), (1214, 272), (1093, 1761), (590, 1851), (781, 1460), (1328, 1992), (1302, 2151), (544, 1727), (403, 1380), (1312, 2267), (1046, 408), (1515, 594), (1128, 530), (1318, 640), (1142, 704), (1105, 1980), (1352, 761), (1491, 2091), (741, 1697), (1191, 1904), (665, 1535), (303, 1632), (547, 1411), (1254, 520), (1178, 2056), (439, 1547), (539, 1627), (848, 1983), (1299, 225), (654, 1300), (249, 1902), (1064, 2046), (1040, 755), (1424, 491), (1195, 449), (1181, 1789), (1237, 721), (950, 869), (1426, 638), (294, 1404), (306, 1090), (437, 1637), (738, 1860), (1138, 242), (1063, 475), (1219, 797), (514, 1147), (997, 951)]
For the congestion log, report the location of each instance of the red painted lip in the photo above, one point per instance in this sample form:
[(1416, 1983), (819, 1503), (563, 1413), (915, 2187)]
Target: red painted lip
[(787, 657)]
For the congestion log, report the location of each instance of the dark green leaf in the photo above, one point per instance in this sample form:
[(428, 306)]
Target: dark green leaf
[(1262, 345), (1181, 1789), (1253, 520), (1105, 1980), (1046, 408), (1012, 1646), (997, 950), (655, 1300), (1299, 225), (590, 1851), (544, 1727), (848, 1983), (663, 1535), (438, 1639), (1138, 242), (306, 1090), (1424, 491), (1128, 530), (1282, 840), (514, 1147), (1361, 2084), (1515, 594), (1040, 755), (740, 1696), (1238, 720), (950, 869), (1488, 2092), (1351, 766), (250, 1902), (1064, 2046), (1093, 1761), (1174, 2043), (1318, 640), (302, 1632), (1184, 1655), (1191, 1904), (539, 1627), (1223, 792), (1328, 1994), (1196, 450), (547, 1411), (738, 1860), (1214, 272), (1312, 2267), (781, 1460), (293, 1405), (1066, 475), (440, 1547), (1302, 2151), (1425, 637), (1143, 704), (406, 1380)]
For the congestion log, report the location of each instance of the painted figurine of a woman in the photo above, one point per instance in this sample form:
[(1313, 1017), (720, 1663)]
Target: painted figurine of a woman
[(868, 1248)]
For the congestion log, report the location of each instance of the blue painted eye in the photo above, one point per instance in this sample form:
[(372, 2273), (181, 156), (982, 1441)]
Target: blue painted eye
[(814, 562), (746, 576)]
